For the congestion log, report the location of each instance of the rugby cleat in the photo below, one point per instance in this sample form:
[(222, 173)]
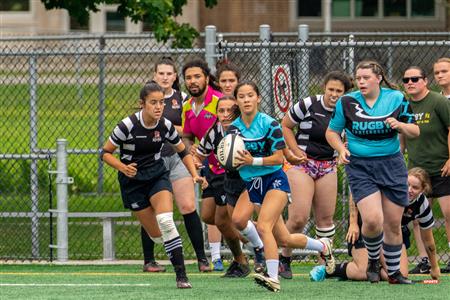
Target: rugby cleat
[(260, 261), (327, 255), (265, 281), (218, 265), (204, 265), (237, 270), (153, 267), (373, 271), (183, 282), (398, 278), (284, 267)]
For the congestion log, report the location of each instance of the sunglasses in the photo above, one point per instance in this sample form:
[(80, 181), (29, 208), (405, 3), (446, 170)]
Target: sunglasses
[(413, 79)]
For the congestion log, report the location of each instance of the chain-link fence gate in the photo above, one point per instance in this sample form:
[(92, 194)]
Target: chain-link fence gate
[(79, 88)]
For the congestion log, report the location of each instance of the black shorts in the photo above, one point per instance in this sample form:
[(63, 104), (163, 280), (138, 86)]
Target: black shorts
[(136, 194), (359, 243), (386, 174), (233, 186), (215, 188), (406, 233), (440, 186)]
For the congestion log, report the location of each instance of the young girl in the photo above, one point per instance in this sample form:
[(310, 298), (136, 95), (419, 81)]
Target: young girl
[(165, 75), (143, 178), (419, 209), (226, 108), (267, 184)]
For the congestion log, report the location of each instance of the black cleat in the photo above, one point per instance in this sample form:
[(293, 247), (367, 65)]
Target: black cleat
[(398, 278), (204, 266), (373, 271), (237, 270), (446, 269), (182, 280), (423, 267), (260, 261), (284, 267)]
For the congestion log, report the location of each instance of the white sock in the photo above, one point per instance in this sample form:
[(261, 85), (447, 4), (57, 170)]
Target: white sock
[(272, 268), (215, 250), (313, 244), (252, 235)]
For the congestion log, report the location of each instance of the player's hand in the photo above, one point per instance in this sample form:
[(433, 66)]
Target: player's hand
[(202, 181), (394, 123), (295, 159), (435, 272), (352, 234), (343, 157), (244, 158), (129, 170), (446, 169), (193, 149)]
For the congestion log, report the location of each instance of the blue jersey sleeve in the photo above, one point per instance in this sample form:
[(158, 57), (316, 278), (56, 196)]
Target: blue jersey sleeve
[(275, 137), (337, 122)]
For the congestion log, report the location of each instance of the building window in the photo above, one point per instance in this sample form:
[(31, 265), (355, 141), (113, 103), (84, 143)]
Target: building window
[(420, 8), (366, 8), (341, 8), (309, 8), (115, 22), (394, 8), (76, 26), (14, 5)]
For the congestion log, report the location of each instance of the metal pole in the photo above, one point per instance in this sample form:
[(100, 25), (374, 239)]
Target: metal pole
[(351, 56), (62, 199), (34, 185), (101, 111), (327, 16), (265, 67), (303, 62), (390, 62), (210, 47)]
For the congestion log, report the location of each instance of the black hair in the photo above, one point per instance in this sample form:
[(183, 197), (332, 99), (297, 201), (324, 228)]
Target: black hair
[(225, 65), (420, 69), (246, 82), (200, 63), (149, 87), (167, 60), (339, 76), (377, 70)]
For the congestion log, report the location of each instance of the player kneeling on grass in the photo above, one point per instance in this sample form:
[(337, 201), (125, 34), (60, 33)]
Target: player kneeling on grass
[(267, 184), (143, 178), (418, 209)]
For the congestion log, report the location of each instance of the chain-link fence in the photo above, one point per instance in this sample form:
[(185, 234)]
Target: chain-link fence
[(78, 89)]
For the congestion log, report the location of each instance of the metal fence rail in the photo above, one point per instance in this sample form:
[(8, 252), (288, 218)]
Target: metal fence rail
[(78, 88)]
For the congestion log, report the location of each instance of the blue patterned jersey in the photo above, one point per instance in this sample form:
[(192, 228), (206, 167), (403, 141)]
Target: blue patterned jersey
[(262, 138), (368, 134)]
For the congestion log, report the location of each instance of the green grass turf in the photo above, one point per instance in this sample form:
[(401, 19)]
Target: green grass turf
[(128, 282)]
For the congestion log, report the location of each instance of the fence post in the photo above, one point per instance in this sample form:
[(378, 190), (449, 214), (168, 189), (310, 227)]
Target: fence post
[(61, 194), (351, 55), (210, 47), (265, 66), (303, 62), (101, 111), (34, 185)]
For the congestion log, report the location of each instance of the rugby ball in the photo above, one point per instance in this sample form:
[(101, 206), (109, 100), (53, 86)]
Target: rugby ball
[(227, 151)]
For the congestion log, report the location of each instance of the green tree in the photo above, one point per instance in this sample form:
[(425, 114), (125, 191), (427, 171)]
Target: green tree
[(159, 14)]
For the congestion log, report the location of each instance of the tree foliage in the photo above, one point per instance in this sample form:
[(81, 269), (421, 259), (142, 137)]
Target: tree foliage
[(159, 14)]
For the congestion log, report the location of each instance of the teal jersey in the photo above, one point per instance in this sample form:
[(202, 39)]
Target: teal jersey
[(262, 139)]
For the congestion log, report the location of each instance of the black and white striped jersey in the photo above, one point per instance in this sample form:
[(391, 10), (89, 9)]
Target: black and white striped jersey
[(312, 117), (140, 144), (419, 209), (211, 140)]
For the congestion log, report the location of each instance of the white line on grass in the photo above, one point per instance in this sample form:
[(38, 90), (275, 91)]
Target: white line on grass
[(75, 284)]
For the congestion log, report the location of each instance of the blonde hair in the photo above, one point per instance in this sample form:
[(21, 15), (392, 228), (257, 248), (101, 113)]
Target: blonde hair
[(423, 177), (443, 59)]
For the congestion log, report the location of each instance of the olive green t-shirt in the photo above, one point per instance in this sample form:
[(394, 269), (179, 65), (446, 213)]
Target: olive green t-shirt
[(430, 150)]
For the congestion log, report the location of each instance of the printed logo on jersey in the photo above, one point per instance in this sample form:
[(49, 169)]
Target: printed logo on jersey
[(175, 104), (134, 205), (422, 118), (156, 136), (209, 115), (371, 127)]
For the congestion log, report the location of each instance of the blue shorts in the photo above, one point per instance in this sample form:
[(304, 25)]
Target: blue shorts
[(387, 174), (259, 186)]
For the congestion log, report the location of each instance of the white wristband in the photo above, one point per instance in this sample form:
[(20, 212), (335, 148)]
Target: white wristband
[(257, 161)]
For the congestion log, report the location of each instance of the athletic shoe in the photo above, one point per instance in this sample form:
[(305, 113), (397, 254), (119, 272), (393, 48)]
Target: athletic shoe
[(264, 280), (423, 267), (218, 265), (237, 270), (446, 269), (327, 255), (284, 267), (317, 273), (153, 267), (183, 282), (373, 271), (260, 261), (204, 266), (398, 278)]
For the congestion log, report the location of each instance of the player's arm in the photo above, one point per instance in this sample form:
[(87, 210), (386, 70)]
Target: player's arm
[(430, 248), (246, 159), (108, 157), (353, 228), (287, 126), (334, 139)]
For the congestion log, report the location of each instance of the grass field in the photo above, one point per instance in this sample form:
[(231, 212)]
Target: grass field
[(128, 282)]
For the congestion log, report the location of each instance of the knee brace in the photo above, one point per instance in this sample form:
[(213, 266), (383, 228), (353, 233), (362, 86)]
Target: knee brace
[(157, 240), (325, 232), (167, 226)]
